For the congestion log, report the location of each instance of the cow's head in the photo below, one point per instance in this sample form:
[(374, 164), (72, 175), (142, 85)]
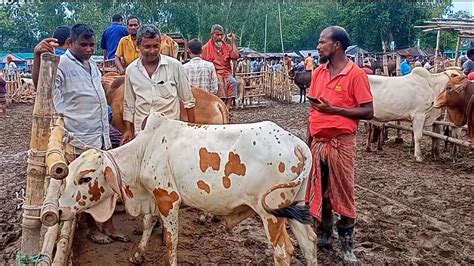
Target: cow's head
[(91, 186), (453, 93)]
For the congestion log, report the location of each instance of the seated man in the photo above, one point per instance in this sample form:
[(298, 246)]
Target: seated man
[(221, 54)]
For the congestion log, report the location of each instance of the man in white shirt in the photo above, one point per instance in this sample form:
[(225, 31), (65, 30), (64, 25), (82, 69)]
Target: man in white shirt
[(154, 82), (201, 73)]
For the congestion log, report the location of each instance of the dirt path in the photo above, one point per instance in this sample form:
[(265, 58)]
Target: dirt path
[(408, 212)]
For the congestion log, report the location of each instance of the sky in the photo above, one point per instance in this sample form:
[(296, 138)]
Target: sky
[(467, 5)]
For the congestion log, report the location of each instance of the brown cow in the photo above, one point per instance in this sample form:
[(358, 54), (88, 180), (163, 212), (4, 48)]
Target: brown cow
[(209, 108), (458, 98)]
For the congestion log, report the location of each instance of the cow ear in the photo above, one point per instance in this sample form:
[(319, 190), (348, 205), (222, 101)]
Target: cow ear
[(111, 179), (104, 209)]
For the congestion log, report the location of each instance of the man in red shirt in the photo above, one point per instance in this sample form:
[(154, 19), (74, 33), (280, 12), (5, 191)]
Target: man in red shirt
[(221, 54), (343, 96)]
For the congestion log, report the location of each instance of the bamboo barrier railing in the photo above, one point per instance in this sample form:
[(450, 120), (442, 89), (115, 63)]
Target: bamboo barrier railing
[(36, 170)]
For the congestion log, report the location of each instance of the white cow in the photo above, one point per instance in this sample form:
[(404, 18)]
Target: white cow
[(409, 98), (233, 171)]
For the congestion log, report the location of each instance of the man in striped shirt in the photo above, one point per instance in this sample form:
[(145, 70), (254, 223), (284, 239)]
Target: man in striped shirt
[(201, 73)]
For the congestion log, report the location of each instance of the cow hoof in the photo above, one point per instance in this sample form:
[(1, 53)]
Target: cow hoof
[(120, 237), (419, 159), (99, 238), (137, 259)]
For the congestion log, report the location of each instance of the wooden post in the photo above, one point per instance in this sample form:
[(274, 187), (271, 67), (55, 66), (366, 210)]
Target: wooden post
[(48, 245), (436, 61), (398, 61), (385, 65), (36, 170), (458, 46), (399, 138), (435, 141), (64, 243)]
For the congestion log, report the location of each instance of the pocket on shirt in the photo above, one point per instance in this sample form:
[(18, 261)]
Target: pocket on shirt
[(338, 95), (167, 90)]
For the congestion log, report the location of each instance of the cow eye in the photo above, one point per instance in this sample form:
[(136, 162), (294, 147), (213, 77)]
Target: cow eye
[(84, 179), (448, 88)]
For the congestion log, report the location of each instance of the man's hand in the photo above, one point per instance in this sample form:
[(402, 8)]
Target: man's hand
[(46, 45), (324, 107), (126, 137), (121, 71)]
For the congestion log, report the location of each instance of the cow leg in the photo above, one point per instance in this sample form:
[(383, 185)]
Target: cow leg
[(149, 222), (306, 240), (170, 234), (275, 229), (418, 123), (368, 127), (109, 230), (381, 138), (304, 94)]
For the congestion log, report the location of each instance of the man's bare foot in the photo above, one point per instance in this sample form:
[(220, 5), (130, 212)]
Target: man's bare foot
[(99, 238)]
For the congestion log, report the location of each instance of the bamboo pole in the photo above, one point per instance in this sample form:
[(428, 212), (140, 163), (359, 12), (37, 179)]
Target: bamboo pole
[(48, 245), (436, 61), (385, 65), (433, 135), (64, 243), (36, 170), (50, 211), (57, 166), (444, 123), (458, 46)]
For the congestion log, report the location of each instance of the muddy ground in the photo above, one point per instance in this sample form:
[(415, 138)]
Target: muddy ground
[(408, 212)]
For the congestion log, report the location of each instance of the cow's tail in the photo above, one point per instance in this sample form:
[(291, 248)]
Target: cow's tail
[(283, 200), (224, 112)]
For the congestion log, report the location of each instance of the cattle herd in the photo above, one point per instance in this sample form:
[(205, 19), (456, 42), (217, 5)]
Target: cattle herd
[(237, 171)]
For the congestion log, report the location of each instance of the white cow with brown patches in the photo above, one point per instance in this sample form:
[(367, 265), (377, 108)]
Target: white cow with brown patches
[(233, 171)]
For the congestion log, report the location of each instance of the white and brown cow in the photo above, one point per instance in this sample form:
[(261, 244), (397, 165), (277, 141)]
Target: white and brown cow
[(409, 98), (233, 171)]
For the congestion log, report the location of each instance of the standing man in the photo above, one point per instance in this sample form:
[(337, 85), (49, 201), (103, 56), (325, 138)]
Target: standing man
[(344, 97), (309, 63), (61, 34), (221, 55), (112, 36), (10, 67), (79, 96), (200, 73), (127, 50), (468, 66), (405, 67), (154, 82)]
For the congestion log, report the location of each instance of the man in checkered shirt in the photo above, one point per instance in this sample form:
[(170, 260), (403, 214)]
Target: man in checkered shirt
[(201, 73)]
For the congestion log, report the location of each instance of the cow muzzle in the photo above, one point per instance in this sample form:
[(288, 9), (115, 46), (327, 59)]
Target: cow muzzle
[(66, 214)]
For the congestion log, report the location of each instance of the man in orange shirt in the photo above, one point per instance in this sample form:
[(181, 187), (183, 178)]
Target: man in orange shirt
[(221, 55), (127, 50), (309, 62), (343, 96)]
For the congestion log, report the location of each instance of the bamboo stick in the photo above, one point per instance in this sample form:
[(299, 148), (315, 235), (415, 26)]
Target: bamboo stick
[(57, 166), (36, 170), (444, 123), (64, 243), (48, 245), (433, 135), (50, 211)]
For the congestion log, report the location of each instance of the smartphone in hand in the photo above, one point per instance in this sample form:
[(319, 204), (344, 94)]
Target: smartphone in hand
[(313, 99)]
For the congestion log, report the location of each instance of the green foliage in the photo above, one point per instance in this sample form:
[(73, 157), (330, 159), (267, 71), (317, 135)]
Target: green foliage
[(370, 24)]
